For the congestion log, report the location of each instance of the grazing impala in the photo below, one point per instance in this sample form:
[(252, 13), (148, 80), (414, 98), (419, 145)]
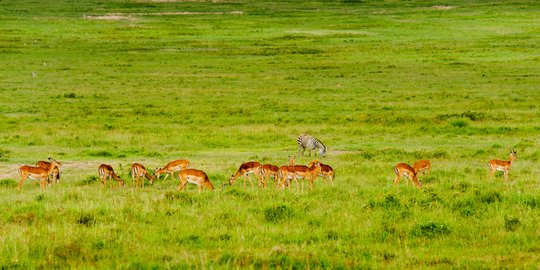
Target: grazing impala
[(268, 170), (54, 177), (502, 165), (299, 172), (171, 168), (196, 177), (250, 167), (37, 173), (326, 171), (422, 166), (403, 169), (138, 172), (106, 171)]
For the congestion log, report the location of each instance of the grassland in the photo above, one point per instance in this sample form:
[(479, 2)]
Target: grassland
[(224, 82)]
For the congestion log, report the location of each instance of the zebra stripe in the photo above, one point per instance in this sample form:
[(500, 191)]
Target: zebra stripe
[(311, 143)]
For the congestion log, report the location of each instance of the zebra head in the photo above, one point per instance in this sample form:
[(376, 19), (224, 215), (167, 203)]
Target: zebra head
[(322, 151)]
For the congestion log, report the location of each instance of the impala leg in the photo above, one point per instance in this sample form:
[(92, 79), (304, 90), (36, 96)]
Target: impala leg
[(397, 179), (331, 179), (43, 183), (23, 177), (311, 186), (183, 185)]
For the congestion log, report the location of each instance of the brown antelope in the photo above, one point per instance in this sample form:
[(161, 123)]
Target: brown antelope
[(250, 167), (403, 169), (299, 172), (502, 165), (54, 177), (326, 171), (37, 173), (106, 171), (171, 168), (138, 173), (268, 170), (196, 177), (422, 166), (285, 173)]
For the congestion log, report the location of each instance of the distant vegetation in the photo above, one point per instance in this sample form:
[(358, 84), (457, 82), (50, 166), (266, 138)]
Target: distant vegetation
[(223, 82)]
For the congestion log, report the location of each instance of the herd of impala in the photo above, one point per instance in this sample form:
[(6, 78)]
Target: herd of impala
[(49, 172)]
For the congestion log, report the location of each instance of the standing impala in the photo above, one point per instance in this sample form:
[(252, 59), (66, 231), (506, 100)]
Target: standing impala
[(106, 171), (250, 167), (268, 170), (54, 177), (299, 172), (285, 174), (196, 177), (37, 173), (326, 171), (421, 166), (502, 165), (138, 172), (403, 169), (171, 168)]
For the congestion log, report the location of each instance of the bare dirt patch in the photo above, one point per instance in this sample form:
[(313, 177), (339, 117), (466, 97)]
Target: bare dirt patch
[(443, 7), (109, 17), (132, 16)]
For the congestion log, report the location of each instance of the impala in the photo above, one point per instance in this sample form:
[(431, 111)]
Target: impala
[(268, 170), (54, 177), (403, 169), (37, 173), (502, 165), (138, 172), (106, 171), (326, 171), (171, 168), (285, 173), (422, 166), (250, 167), (299, 172), (196, 177)]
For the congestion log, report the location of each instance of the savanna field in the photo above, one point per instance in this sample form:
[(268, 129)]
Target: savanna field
[(220, 83)]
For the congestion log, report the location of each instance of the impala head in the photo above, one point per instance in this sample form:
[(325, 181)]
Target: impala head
[(121, 183), (311, 163), (157, 173), (52, 160), (513, 154), (231, 180), (416, 180), (291, 160)]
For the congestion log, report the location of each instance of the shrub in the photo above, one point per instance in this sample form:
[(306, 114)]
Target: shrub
[(183, 198), (89, 180), (86, 219), (276, 214), (460, 123), (511, 223), (430, 229), (8, 183)]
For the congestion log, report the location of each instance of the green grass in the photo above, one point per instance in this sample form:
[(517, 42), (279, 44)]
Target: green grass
[(223, 82)]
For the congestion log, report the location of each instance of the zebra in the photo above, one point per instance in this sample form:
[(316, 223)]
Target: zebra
[(311, 143)]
